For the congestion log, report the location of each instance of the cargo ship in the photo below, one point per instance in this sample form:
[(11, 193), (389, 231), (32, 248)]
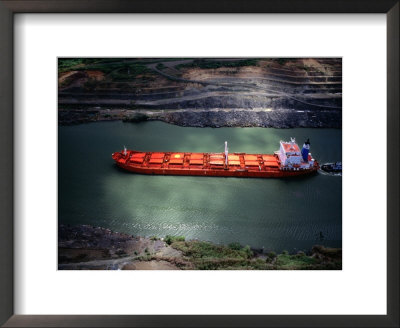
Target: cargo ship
[(286, 162)]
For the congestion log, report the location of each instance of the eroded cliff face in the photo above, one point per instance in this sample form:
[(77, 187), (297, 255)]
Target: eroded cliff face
[(203, 92)]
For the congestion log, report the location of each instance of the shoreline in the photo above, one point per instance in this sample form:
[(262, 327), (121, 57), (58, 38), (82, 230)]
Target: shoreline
[(203, 92), (84, 247), (215, 118)]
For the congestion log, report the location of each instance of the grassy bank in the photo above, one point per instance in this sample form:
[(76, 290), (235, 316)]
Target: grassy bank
[(208, 256), (95, 248)]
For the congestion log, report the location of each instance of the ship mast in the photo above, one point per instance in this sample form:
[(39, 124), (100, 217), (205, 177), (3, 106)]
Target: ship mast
[(226, 153), (292, 142)]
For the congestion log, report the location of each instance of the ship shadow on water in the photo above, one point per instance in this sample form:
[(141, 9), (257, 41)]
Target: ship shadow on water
[(299, 178)]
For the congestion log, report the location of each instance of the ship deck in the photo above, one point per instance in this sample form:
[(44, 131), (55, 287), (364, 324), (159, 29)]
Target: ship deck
[(213, 164)]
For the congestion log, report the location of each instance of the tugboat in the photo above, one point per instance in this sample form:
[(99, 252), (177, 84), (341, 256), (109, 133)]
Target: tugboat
[(288, 161), (332, 167)]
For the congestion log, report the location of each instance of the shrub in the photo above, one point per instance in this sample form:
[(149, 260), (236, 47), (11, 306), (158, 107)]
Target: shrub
[(247, 251), (282, 61), (171, 239), (271, 255), (64, 64), (144, 258), (285, 252), (258, 264), (235, 246)]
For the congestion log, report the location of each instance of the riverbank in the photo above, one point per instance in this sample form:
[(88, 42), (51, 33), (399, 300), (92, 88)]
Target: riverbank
[(207, 92), (215, 118), (85, 247)]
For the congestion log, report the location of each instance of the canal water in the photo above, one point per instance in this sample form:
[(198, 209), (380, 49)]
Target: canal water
[(275, 214)]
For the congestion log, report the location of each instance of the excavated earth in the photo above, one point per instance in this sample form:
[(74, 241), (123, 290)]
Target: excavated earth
[(268, 93), (97, 248)]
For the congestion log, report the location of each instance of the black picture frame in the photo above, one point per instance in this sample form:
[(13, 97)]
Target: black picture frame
[(10, 7)]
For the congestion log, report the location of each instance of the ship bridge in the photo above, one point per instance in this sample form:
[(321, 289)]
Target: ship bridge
[(291, 157)]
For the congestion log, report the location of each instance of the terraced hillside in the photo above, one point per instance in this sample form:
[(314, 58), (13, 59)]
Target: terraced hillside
[(203, 92)]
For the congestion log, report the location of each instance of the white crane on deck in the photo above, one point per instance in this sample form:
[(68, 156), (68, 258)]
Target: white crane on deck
[(226, 153)]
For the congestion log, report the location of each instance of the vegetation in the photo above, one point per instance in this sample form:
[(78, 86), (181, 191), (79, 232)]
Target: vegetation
[(146, 257), (120, 66), (91, 243), (126, 72), (282, 61), (207, 64), (235, 246), (208, 256), (66, 64), (172, 239), (294, 262), (118, 69)]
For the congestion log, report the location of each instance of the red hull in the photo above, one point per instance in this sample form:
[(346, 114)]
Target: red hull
[(207, 164)]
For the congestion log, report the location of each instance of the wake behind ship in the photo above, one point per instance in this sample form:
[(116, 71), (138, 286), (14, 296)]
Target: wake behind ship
[(287, 161)]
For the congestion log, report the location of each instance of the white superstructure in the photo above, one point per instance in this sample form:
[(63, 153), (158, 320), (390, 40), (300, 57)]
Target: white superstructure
[(226, 153), (291, 158)]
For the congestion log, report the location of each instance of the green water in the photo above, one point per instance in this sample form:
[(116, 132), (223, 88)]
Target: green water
[(276, 214)]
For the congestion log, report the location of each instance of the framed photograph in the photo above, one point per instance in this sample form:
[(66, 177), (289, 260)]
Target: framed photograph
[(113, 113), (211, 176)]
